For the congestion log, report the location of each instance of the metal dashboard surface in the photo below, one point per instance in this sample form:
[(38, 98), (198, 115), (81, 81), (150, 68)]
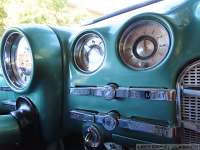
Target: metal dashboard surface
[(182, 21)]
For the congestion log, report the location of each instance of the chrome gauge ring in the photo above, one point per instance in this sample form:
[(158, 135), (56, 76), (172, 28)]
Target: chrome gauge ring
[(17, 60), (89, 52), (144, 44)]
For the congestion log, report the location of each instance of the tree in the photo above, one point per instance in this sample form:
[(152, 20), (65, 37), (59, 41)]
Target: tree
[(51, 12), (3, 15)]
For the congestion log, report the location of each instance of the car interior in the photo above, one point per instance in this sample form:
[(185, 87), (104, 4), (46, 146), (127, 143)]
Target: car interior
[(123, 81)]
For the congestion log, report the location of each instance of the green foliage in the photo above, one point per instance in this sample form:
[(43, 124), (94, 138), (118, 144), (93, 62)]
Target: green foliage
[(3, 15), (53, 12)]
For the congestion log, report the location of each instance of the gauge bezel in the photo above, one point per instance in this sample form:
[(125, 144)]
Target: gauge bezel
[(7, 67), (133, 22), (135, 47), (80, 39)]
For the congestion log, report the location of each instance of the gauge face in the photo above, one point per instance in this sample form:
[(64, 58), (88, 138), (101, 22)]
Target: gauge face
[(23, 61), (18, 60), (144, 44), (89, 52)]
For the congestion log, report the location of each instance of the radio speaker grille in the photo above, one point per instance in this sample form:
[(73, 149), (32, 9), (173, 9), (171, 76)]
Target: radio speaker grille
[(190, 137), (190, 105), (189, 102)]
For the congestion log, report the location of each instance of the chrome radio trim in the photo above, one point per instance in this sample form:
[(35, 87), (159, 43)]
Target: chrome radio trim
[(111, 122), (5, 89), (111, 92), (195, 126)]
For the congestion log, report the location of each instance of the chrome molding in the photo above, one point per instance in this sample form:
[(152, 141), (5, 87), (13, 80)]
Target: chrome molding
[(112, 120), (192, 91), (188, 97), (195, 126), (5, 89), (112, 92)]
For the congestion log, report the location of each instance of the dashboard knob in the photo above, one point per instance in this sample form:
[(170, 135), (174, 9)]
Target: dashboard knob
[(145, 47), (110, 91), (92, 137), (110, 121), (89, 138)]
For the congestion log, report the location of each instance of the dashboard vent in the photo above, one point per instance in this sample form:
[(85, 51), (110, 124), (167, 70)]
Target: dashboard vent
[(190, 101), (190, 108), (192, 76), (190, 137)]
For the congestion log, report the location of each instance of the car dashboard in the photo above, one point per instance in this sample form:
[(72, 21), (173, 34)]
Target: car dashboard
[(130, 79)]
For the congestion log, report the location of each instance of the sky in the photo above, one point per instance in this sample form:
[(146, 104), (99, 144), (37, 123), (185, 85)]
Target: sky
[(104, 6)]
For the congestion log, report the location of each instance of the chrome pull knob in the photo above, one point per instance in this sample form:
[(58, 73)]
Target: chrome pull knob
[(88, 139), (110, 121), (109, 91), (92, 137)]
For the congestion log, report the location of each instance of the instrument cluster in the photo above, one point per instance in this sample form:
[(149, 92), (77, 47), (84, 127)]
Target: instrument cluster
[(144, 44)]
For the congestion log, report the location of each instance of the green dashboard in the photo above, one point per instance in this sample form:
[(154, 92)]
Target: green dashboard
[(130, 79)]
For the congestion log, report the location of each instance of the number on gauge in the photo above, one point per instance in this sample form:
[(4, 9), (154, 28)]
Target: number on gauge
[(144, 44)]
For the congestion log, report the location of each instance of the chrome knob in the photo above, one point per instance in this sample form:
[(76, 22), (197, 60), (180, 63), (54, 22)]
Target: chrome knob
[(110, 121), (145, 47), (110, 91), (88, 138), (92, 137)]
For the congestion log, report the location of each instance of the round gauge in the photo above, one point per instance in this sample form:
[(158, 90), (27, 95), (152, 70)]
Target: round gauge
[(144, 44), (89, 52), (23, 59), (17, 60)]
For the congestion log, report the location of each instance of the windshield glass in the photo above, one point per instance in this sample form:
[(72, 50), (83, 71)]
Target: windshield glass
[(104, 7), (57, 12)]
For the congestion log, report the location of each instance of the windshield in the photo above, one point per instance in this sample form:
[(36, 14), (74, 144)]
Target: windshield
[(104, 7), (57, 12)]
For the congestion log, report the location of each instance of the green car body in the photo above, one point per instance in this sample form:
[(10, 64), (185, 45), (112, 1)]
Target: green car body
[(55, 72)]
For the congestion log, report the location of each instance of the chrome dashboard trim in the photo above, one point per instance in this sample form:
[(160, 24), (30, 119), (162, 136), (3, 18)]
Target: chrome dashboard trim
[(195, 126), (5, 89), (190, 90), (110, 122), (109, 92)]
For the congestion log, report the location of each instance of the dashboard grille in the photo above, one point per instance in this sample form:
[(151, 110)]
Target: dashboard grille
[(190, 105), (190, 137), (190, 108), (189, 102), (192, 76)]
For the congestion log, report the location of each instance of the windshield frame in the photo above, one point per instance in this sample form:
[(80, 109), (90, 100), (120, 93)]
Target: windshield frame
[(122, 11)]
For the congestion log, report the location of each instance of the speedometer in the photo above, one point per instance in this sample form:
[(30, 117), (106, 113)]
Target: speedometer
[(144, 44), (17, 60)]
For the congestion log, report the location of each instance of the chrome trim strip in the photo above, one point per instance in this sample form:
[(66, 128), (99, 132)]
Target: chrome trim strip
[(146, 127), (146, 93), (8, 105), (110, 122), (110, 92), (178, 105), (5, 89), (82, 115), (195, 126), (192, 91)]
